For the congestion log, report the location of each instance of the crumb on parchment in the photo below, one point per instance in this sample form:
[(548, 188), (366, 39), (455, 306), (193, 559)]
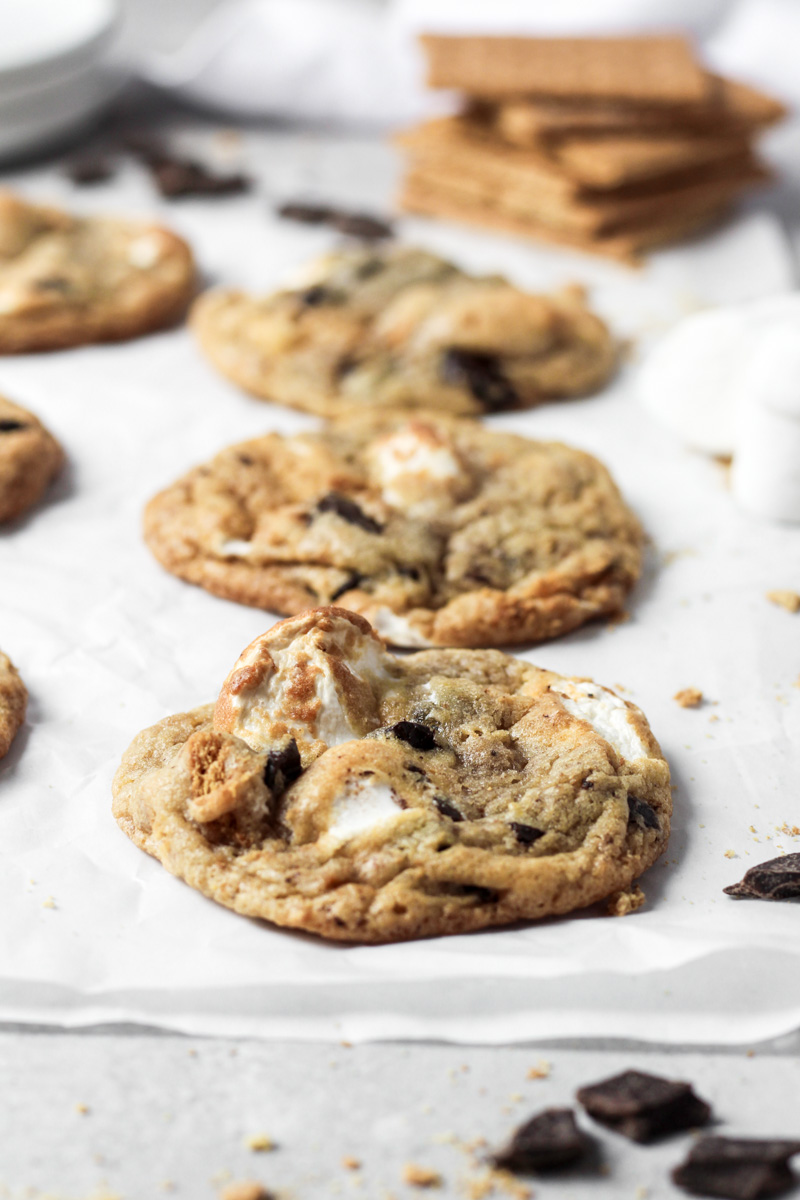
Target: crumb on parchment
[(690, 697), (785, 598), (260, 1142), (245, 1189), (421, 1177)]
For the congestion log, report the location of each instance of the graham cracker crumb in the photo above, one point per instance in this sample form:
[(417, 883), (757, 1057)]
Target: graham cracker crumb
[(623, 903), (493, 1180), (246, 1189), (351, 1164), (83, 1109), (730, 854), (260, 1142), (49, 902), (421, 1177), (540, 1071), (690, 697), (785, 599), (788, 830)]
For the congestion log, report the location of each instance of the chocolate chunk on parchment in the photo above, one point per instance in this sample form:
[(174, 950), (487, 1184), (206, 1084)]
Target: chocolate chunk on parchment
[(90, 169), (354, 224), (482, 374), (775, 879), (283, 767), (644, 1107), (177, 177), (737, 1168), (415, 734), (549, 1140), (349, 511)]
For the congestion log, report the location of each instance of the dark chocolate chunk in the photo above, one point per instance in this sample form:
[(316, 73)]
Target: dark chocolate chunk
[(417, 735), (175, 176), (317, 295), (7, 425), (737, 1168), (547, 1141), (89, 170), (588, 784), (349, 511), (353, 224), (482, 374), (775, 879), (283, 767), (351, 582), (642, 814), (52, 283), (447, 809), (644, 1107), (526, 834)]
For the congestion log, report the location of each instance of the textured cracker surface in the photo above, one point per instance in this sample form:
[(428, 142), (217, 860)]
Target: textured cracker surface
[(513, 808), (521, 541)]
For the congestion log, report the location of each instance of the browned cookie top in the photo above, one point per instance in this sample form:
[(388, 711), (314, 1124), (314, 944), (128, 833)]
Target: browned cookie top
[(30, 457), (343, 790), (439, 531), (68, 280), (13, 702), (399, 327)]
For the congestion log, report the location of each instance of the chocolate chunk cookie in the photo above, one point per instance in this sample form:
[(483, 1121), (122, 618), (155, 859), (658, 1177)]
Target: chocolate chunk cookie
[(339, 789), (67, 280), (13, 702), (401, 328), (437, 530), (30, 458)]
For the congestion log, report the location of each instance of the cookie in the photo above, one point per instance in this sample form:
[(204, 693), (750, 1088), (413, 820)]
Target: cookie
[(66, 281), (645, 69), (381, 328), (342, 790), (436, 529), (13, 702), (30, 458)]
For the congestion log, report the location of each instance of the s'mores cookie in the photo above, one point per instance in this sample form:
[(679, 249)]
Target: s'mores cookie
[(338, 789)]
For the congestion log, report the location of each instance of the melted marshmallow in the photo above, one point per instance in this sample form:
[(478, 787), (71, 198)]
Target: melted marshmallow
[(145, 251), (397, 630), (606, 713), (363, 805), (412, 452)]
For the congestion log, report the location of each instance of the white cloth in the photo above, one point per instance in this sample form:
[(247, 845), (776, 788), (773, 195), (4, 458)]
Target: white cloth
[(355, 61), (109, 643)]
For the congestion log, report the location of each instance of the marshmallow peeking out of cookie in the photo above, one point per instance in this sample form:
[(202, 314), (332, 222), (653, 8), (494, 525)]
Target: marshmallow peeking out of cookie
[(418, 469), (311, 678)]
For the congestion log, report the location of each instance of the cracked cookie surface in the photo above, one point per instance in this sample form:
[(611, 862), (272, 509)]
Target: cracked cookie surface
[(13, 703), (30, 457), (67, 280), (437, 530), (366, 797), (402, 328)]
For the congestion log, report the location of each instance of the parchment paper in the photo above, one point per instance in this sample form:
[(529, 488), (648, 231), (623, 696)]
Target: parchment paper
[(93, 930)]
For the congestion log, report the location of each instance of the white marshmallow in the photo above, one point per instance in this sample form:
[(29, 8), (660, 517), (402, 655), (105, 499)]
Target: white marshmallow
[(396, 629), (607, 714), (362, 805), (766, 468)]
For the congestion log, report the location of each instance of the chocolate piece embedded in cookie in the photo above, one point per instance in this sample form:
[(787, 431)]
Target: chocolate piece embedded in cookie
[(30, 457), (13, 703), (437, 530), (398, 327), (550, 1140), (66, 281), (366, 797), (644, 1107), (738, 1168), (775, 879)]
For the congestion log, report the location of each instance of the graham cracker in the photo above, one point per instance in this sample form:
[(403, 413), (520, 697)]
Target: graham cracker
[(611, 160), (625, 246), (732, 108), (660, 69), (481, 169)]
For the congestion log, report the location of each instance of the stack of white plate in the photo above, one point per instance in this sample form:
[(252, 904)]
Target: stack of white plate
[(54, 72)]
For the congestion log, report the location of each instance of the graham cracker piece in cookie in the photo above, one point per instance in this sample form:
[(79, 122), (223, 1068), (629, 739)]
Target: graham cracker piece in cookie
[(658, 69)]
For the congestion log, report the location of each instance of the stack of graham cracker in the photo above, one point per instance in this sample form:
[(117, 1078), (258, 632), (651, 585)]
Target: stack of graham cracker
[(613, 145)]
